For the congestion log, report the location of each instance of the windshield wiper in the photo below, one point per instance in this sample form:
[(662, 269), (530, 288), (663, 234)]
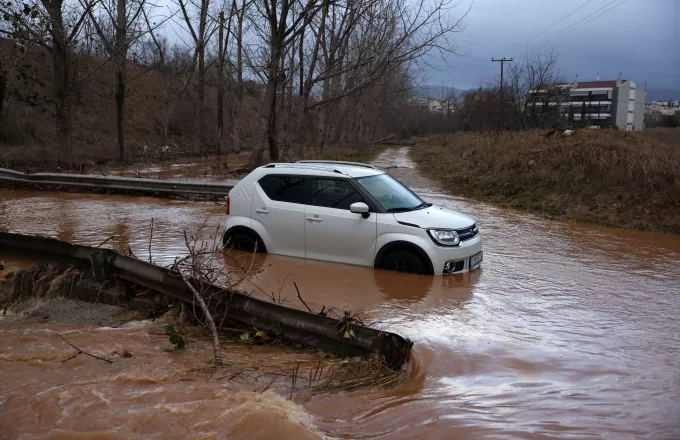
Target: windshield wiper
[(422, 206), (402, 209)]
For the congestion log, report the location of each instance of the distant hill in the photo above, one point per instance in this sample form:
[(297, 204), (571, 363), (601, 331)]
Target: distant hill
[(430, 91), (662, 94)]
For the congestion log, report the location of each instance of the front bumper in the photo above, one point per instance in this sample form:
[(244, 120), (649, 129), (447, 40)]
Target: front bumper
[(457, 257)]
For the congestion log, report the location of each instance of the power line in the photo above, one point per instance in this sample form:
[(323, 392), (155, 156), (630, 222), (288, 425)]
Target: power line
[(581, 22), (560, 20), (613, 7), (577, 22)]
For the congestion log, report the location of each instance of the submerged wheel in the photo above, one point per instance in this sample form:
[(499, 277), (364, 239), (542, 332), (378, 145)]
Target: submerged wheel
[(242, 241), (403, 261)]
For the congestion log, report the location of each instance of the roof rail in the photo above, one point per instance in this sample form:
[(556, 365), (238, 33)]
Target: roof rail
[(337, 162), (303, 165)]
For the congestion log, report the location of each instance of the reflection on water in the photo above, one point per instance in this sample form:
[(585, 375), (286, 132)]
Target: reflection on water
[(568, 330)]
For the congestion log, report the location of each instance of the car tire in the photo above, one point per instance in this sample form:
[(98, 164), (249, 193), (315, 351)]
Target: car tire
[(241, 242), (402, 260)]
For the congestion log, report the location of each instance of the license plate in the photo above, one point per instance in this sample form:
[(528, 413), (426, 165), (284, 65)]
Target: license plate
[(476, 260)]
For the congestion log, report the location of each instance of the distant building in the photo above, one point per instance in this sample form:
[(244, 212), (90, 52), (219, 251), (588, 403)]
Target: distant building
[(619, 102), (663, 107), (433, 105)]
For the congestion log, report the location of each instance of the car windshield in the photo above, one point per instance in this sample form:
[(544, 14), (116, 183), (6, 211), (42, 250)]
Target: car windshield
[(391, 194)]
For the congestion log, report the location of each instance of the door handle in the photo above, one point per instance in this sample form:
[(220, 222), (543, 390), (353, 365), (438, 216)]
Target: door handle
[(314, 219), (262, 211)]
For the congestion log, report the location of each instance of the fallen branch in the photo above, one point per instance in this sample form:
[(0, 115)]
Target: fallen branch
[(300, 297), (384, 139), (106, 241), (150, 239), (82, 351), (208, 318)]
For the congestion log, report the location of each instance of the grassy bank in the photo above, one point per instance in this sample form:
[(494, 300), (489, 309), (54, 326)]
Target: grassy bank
[(607, 177)]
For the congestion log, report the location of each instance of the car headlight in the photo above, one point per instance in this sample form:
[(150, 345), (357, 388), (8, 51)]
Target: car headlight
[(444, 237)]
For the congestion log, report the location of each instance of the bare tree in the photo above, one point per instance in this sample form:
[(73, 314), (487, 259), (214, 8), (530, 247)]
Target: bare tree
[(367, 41), (200, 33), (118, 26), (237, 102), (280, 26), (223, 45), (160, 43), (534, 77), (55, 25)]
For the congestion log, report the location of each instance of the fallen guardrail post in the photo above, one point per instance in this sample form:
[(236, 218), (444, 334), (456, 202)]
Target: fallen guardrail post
[(308, 328)]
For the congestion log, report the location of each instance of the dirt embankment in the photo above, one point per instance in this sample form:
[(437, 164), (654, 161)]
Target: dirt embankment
[(607, 177)]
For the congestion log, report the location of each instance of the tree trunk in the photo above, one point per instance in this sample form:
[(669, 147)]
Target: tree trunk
[(200, 48), (120, 78), (198, 135), (3, 88), (238, 105), (220, 90), (61, 76), (269, 111), (272, 130)]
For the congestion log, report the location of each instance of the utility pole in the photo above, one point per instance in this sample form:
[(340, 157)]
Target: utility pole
[(502, 98)]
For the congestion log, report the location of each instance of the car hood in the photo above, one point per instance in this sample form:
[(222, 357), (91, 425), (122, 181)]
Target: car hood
[(435, 217)]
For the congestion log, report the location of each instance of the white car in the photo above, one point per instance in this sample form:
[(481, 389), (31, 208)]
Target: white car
[(348, 213)]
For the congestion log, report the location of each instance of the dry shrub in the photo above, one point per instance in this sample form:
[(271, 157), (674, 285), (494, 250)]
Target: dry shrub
[(603, 176)]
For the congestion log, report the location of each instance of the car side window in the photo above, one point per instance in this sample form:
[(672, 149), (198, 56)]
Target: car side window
[(291, 189), (334, 193)]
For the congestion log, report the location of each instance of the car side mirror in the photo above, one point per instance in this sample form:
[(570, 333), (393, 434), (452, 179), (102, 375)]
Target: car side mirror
[(359, 208)]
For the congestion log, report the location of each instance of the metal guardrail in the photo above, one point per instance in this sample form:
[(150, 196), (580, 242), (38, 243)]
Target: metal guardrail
[(124, 185), (309, 328)]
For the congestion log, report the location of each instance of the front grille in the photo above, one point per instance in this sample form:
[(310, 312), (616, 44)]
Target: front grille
[(467, 233)]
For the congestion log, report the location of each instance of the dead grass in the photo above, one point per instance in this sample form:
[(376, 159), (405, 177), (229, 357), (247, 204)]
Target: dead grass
[(601, 176)]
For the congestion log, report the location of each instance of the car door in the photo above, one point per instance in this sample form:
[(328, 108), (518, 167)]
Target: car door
[(279, 206), (332, 232)]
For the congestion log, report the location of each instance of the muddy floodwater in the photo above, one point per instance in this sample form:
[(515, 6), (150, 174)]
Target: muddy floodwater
[(568, 330)]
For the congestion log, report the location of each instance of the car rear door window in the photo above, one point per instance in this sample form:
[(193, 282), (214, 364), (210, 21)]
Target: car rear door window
[(334, 193), (291, 189)]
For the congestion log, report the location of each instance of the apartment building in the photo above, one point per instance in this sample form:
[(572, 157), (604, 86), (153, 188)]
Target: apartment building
[(618, 103)]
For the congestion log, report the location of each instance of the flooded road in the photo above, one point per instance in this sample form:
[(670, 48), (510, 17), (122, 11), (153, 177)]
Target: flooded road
[(194, 169), (569, 331)]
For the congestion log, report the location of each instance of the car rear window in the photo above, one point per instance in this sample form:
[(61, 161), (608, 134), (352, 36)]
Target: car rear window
[(334, 193), (291, 189)]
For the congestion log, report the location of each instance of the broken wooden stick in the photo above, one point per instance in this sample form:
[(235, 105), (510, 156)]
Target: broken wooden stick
[(82, 351), (208, 318)]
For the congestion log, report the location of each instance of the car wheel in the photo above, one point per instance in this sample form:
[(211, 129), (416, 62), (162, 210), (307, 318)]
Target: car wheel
[(403, 261), (241, 242)]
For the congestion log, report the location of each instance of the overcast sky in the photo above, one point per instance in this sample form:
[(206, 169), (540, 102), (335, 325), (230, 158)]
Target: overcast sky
[(639, 38)]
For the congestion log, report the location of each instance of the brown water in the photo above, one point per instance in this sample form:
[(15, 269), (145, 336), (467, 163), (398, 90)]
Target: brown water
[(569, 331)]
